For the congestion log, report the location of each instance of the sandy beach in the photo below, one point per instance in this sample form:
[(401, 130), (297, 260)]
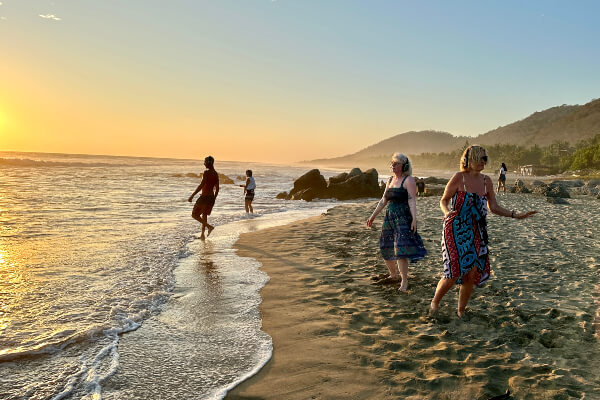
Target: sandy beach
[(336, 334)]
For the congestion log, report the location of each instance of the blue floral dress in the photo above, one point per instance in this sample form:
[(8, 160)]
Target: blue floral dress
[(397, 240)]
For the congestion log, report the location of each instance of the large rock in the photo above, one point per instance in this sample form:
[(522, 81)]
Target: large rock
[(541, 188), (556, 200), (434, 190), (585, 191), (556, 189), (520, 187), (313, 180), (571, 183), (432, 180), (593, 182), (345, 186), (339, 178), (365, 184), (354, 172)]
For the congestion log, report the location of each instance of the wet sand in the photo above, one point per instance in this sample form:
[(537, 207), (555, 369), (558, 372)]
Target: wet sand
[(532, 329)]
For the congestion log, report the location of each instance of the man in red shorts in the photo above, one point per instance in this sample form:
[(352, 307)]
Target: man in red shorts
[(210, 189)]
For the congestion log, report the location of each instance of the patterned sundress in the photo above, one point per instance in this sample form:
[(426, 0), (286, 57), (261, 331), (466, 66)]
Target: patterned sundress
[(397, 240), (465, 239)]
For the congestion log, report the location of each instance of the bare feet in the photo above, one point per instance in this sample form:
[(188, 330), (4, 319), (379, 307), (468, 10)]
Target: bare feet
[(433, 307), (404, 286), (380, 277), (388, 280), (202, 237), (210, 229), (460, 313)]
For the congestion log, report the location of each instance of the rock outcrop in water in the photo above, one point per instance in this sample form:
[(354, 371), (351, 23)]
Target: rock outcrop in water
[(345, 186)]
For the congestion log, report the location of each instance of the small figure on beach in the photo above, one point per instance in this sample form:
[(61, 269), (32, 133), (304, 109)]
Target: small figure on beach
[(249, 192), (464, 234), (420, 187), (210, 190), (502, 178), (399, 241)]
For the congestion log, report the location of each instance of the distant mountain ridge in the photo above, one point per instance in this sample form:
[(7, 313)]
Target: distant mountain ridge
[(410, 142), (570, 123)]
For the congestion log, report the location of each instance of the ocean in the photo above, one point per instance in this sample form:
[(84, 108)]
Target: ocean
[(106, 290)]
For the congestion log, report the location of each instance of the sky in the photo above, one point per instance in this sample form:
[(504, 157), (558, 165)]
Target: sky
[(282, 80)]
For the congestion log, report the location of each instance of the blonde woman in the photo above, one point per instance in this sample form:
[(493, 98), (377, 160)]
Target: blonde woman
[(464, 235), (399, 241)]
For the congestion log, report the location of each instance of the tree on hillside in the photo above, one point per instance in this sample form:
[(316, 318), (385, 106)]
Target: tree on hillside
[(587, 156)]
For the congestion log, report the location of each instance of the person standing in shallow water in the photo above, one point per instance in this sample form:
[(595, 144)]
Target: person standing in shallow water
[(464, 234), (249, 192), (399, 241), (210, 190)]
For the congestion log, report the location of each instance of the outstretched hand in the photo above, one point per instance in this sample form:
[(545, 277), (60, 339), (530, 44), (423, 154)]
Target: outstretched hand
[(370, 222), (525, 214)]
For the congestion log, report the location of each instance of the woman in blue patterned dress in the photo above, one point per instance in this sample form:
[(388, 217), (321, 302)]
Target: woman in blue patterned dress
[(399, 241), (464, 235)]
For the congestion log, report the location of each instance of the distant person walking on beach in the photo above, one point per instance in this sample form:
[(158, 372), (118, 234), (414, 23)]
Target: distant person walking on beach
[(464, 235), (502, 178), (249, 192), (399, 239), (420, 187), (210, 190)]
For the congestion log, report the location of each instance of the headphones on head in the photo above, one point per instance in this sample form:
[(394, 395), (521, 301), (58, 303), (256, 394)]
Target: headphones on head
[(405, 166)]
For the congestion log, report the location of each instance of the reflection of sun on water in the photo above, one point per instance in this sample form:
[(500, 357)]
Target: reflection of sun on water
[(13, 287)]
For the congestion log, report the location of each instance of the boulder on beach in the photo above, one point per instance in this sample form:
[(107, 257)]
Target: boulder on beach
[(345, 186), (432, 180), (434, 190), (520, 187), (556, 200), (593, 182), (556, 189), (311, 180), (570, 183)]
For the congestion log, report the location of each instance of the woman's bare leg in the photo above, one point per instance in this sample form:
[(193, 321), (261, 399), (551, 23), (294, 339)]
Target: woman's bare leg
[(442, 288), (464, 294), (403, 269), (393, 268)]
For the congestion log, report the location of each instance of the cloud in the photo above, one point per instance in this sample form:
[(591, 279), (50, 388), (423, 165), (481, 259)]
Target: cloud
[(50, 16)]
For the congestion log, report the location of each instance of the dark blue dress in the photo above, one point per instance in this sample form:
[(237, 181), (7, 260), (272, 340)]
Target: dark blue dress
[(397, 240)]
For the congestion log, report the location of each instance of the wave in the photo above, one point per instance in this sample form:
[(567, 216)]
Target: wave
[(26, 162)]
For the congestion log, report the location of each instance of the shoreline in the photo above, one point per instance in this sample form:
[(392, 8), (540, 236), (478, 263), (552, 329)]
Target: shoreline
[(309, 359), (334, 331)]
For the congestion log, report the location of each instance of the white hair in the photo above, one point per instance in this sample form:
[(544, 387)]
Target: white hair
[(402, 159)]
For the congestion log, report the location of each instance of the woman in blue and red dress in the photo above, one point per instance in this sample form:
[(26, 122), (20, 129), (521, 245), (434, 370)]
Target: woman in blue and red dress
[(464, 235)]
